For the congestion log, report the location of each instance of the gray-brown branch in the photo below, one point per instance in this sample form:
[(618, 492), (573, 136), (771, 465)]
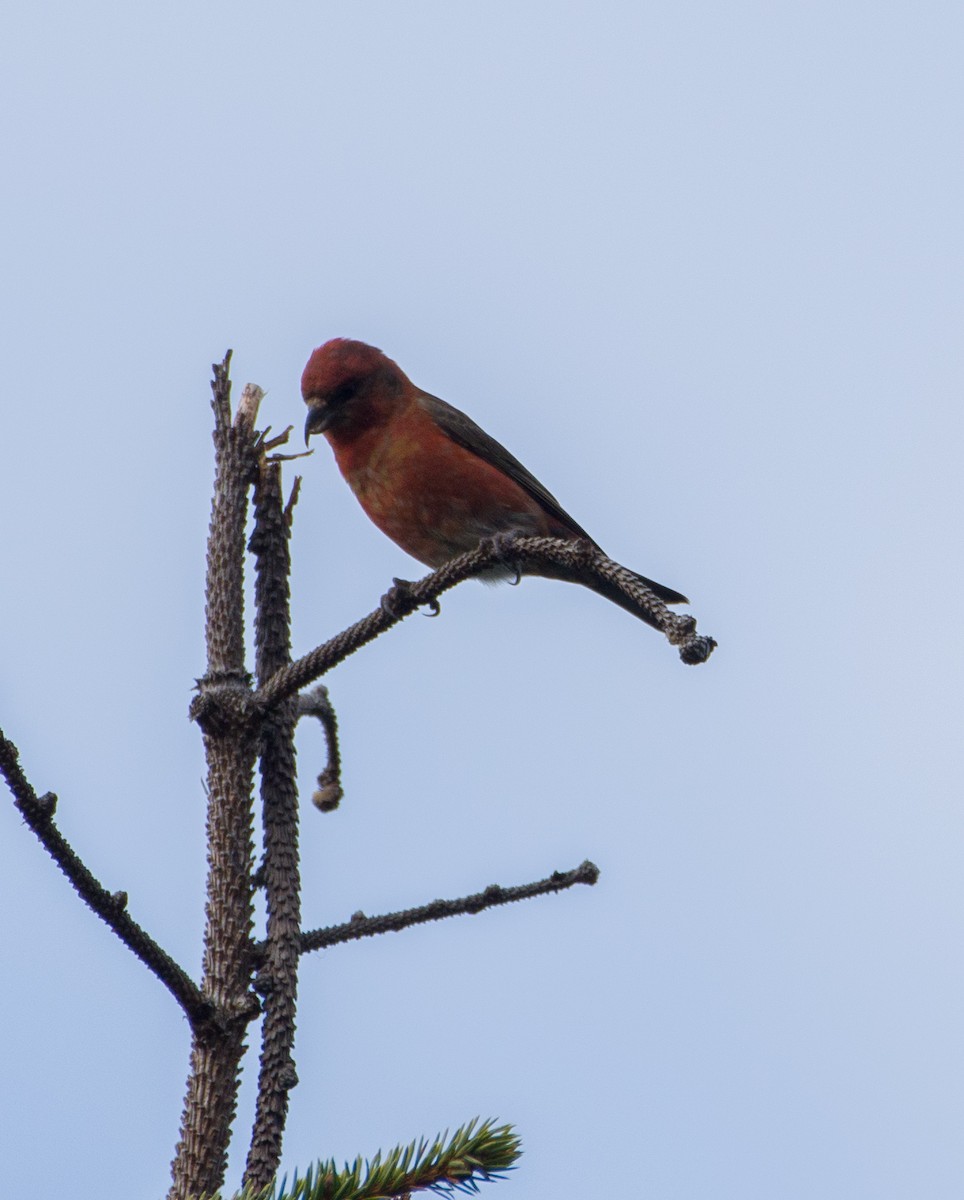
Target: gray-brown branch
[(277, 978), (361, 926), (317, 703), (230, 747), (406, 598), (111, 907)]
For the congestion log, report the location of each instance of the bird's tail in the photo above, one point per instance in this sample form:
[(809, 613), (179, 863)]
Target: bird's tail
[(666, 594), (610, 590)]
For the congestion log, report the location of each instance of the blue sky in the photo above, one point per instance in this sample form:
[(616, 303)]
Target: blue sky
[(700, 268)]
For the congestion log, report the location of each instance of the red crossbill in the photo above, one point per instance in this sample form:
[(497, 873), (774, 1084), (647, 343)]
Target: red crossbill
[(425, 473)]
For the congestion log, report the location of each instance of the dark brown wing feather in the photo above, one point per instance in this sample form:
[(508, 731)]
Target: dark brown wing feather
[(465, 433)]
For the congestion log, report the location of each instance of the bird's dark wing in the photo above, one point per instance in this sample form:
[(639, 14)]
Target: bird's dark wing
[(465, 433)]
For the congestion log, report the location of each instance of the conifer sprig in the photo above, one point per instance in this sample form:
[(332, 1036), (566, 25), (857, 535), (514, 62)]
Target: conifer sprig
[(475, 1154)]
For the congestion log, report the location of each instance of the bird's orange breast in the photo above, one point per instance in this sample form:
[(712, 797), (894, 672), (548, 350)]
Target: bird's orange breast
[(428, 494)]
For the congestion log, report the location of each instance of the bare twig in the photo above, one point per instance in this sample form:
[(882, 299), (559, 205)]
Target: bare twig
[(277, 977), (575, 558), (38, 812), (221, 392), (247, 414), (292, 500), (317, 703), (361, 926)]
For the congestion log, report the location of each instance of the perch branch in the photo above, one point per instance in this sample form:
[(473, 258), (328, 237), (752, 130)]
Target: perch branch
[(111, 907), (403, 599), (361, 926)]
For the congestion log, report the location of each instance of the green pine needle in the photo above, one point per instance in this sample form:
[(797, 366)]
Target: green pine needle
[(475, 1154)]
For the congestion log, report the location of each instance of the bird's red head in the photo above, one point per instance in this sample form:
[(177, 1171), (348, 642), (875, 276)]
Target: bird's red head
[(348, 386)]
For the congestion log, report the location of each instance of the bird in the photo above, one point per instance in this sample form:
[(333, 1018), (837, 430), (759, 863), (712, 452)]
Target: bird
[(427, 475)]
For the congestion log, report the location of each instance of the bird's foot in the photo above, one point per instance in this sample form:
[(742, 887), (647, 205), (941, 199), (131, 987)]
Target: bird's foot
[(400, 600), (503, 545)]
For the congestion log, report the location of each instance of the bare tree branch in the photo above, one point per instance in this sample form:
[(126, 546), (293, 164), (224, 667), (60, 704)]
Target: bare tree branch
[(361, 926), (404, 598), (230, 746), (277, 978), (38, 812), (317, 703)]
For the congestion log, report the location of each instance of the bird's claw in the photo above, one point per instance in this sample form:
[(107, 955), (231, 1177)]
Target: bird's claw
[(502, 545), (400, 600)]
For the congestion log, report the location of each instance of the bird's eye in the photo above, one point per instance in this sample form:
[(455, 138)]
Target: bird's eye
[(344, 392)]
